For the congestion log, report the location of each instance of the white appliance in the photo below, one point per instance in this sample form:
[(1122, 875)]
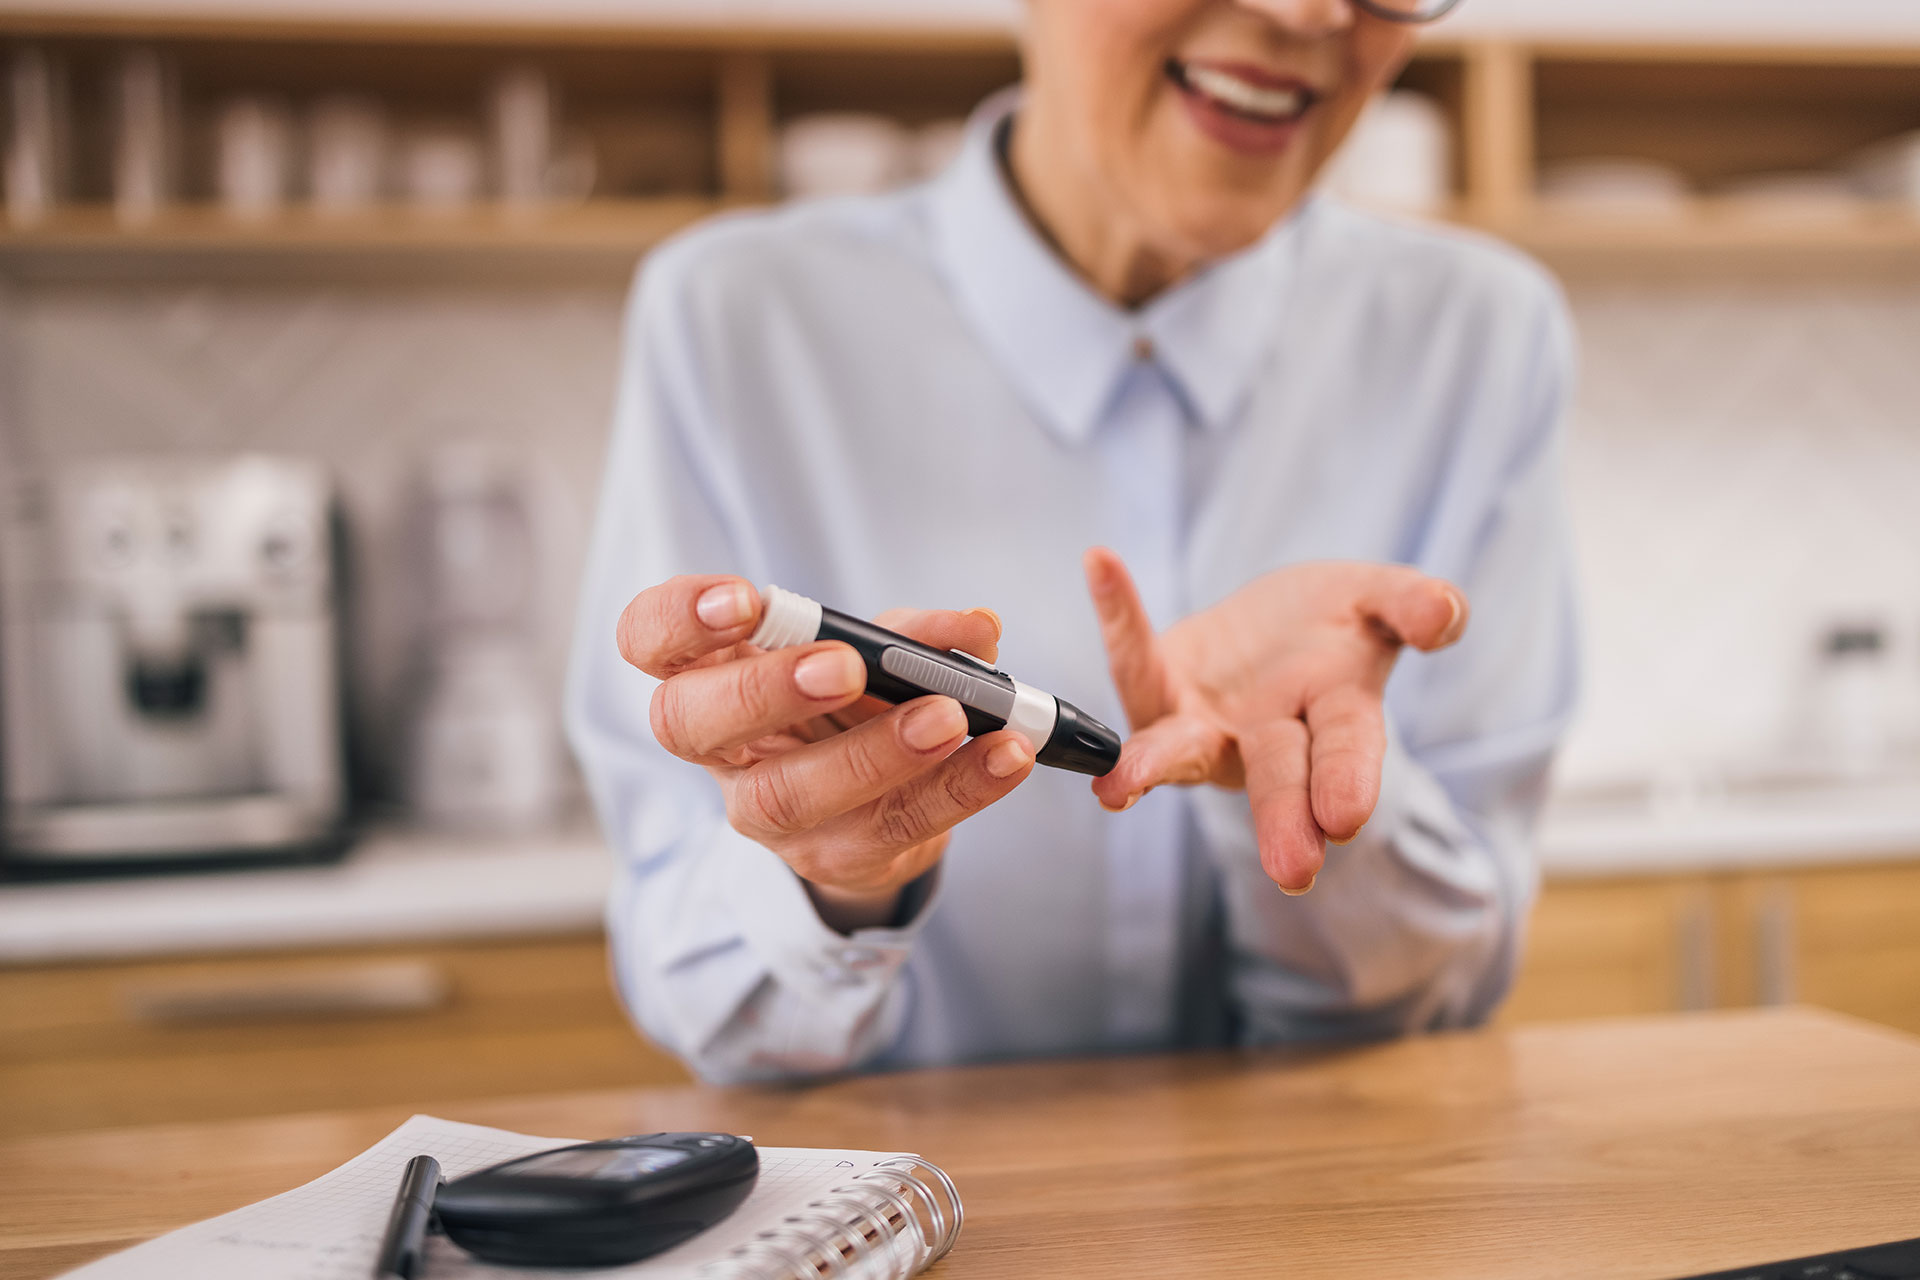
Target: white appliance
[(485, 746), (169, 664)]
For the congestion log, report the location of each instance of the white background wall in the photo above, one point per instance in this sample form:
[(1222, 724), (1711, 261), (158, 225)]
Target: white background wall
[(1744, 468)]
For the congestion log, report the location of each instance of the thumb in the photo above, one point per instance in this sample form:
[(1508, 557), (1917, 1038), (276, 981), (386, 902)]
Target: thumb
[(1412, 608), (1133, 652)]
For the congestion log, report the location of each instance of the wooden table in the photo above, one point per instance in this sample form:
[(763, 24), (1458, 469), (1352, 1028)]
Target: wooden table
[(1642, 1148)]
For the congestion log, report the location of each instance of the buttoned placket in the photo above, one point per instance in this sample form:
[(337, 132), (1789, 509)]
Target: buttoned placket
[(1139, 443)]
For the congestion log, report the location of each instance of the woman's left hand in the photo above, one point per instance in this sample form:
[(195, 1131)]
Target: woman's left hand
[(1275, 689)]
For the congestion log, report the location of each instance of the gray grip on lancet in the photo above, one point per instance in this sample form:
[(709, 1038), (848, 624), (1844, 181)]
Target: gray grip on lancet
[(969, 691)]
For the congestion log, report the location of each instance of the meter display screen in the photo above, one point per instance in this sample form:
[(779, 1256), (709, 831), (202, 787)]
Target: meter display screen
[(610, 1164)]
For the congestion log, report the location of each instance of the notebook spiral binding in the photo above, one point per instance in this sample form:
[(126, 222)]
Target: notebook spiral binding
[(888, 1223)]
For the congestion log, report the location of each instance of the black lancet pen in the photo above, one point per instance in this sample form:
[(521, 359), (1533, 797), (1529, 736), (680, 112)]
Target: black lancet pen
[(403, 1250), (900, 669)]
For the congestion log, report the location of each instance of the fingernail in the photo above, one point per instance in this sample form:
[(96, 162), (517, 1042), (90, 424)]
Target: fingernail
[(926, 727), (999, 628), (1348, 840), (725, 606), (1459, 608), (832, 673), (1294, 893), (1008, 758)]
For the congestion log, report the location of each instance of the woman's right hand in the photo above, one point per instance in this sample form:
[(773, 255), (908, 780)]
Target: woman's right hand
[(857, 796)]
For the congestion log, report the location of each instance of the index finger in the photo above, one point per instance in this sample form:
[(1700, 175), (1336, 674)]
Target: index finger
[(977, 631), (1133, 651), (667, 628)]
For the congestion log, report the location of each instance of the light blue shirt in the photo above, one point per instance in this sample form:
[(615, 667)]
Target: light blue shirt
[(909, 400)]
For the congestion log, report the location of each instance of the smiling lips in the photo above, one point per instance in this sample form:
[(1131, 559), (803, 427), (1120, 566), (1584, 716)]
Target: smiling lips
[(1245, 108)]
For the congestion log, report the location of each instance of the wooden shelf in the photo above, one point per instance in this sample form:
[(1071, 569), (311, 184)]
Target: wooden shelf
[(1713, 236), (640, 223), (598, 242), (1729, 53), (640, 32), (698, 108), (597, 226), (1715, 228), (606, 236)]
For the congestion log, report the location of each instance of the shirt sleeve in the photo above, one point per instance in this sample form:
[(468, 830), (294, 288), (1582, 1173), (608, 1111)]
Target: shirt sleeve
[(717, 949), (1415, 924)]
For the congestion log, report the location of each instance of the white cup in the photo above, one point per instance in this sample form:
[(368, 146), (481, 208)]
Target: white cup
[(533, 165), (346, 154), (1811, 195), (1399, 157), (255, 156), (1890, 171), (935, 146), (522, 118), (1615, 186), (34, 116), (442, 169), (146, 128), (841, 154)]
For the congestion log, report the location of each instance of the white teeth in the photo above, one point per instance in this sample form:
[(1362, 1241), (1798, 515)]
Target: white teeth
[(1248, 99)]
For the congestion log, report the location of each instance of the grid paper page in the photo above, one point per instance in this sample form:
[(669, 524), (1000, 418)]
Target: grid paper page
[(330, 1228)]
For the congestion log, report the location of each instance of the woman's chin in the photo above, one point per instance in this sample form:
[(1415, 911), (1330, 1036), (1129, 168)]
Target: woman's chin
[(1216, 201), (1219, 228)]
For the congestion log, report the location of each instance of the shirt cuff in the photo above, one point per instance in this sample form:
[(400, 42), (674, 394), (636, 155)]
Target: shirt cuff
[(779, 922)]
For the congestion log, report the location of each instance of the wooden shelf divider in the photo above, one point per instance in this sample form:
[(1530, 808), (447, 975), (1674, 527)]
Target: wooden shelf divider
[(1497, 132)]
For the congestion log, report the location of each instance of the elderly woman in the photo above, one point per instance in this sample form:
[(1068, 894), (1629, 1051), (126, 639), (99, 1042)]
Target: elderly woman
[(1297, 439)]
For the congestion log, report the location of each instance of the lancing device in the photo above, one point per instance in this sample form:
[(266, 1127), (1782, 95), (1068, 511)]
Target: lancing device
[(900, 670)]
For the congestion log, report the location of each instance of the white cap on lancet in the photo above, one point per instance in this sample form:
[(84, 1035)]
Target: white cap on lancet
[(790, 619)]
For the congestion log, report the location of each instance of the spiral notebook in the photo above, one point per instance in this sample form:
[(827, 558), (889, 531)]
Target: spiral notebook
[(813, 1213)]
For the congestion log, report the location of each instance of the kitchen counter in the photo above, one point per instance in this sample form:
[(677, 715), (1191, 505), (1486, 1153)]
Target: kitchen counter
[(1747, 829), (394, 885), (402, 886)]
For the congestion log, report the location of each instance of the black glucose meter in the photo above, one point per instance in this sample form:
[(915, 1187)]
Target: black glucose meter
[(598, 1204)]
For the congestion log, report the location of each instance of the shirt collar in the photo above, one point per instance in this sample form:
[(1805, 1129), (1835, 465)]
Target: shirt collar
[(1066, 347)]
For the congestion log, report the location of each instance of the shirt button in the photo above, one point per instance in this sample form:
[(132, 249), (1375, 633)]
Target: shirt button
[(858, 957), (1143, 348)]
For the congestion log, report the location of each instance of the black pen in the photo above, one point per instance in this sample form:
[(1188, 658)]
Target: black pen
[(403, 1251)]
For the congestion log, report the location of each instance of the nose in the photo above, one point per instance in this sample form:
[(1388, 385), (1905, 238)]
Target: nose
[(1304, 18)]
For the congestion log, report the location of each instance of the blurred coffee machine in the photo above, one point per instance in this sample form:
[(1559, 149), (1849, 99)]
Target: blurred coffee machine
[(169, 665)]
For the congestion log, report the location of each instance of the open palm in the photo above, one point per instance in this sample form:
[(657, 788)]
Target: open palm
[(1276, 689)]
